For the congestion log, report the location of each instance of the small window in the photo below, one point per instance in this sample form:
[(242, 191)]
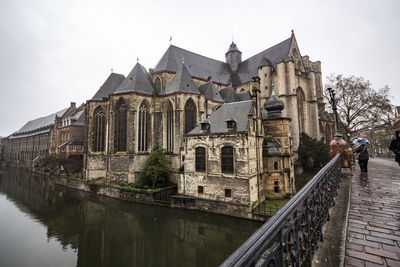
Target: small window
[(231, 124), (276, 187), (200, 189), (276, 165), (228, 192)]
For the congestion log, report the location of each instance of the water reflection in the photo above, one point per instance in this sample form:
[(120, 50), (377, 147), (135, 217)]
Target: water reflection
[(108, 232)]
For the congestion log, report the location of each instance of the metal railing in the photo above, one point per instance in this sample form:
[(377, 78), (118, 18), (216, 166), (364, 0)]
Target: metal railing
[(291, 236)]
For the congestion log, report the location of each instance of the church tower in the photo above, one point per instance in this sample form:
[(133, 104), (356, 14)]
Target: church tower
[(233, 57)]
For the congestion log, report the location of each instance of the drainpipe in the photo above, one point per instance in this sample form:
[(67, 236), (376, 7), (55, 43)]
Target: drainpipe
[(256, 89)]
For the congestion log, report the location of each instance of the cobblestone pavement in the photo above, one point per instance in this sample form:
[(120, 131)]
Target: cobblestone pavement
[(373, 230)]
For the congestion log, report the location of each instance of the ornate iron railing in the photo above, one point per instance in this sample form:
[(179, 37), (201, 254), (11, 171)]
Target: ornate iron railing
[(291, 236)]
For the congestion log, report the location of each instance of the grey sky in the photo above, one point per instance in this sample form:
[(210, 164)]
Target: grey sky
[(54, 52)]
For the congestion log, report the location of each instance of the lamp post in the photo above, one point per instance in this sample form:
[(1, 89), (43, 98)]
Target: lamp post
[(337, 145), (334, 108), (255, 92)]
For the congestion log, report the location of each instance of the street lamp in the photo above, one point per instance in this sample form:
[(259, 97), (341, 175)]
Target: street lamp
[(338, 145), (329, 88)]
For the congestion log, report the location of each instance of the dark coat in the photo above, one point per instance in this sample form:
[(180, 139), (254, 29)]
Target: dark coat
[(363, 150), (395, 146)]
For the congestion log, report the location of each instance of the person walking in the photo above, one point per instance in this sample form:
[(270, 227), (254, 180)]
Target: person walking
[(395, 146), (363, 157)]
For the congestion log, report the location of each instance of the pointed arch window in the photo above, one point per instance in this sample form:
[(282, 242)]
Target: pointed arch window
[(190, 115), (301, 110), (157, 84), (99, 129), (144, 127), (120, 126), (227, 159), (170, 128)]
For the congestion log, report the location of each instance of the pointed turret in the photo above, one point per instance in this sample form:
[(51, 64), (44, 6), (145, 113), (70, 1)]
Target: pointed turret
[(138, 80), (266, 62), (181, 82), (233, 57), (274, 106)]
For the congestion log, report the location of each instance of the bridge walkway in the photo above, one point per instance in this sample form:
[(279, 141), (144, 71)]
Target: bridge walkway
[(373, 229)]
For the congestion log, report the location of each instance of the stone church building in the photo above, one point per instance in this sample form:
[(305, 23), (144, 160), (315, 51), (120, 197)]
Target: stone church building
[(188, 94)]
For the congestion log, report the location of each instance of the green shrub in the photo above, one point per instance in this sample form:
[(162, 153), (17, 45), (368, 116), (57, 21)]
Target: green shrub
[(156, 169), (313, 154)]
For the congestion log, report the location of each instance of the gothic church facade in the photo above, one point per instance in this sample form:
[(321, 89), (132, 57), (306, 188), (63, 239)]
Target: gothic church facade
[(129, 115)]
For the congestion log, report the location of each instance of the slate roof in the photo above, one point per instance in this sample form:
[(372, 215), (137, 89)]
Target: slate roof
[(37, 126), (238, 111), (229, 94), (138, 80), (210, 91), (181, 82), (109, 86), (249, 68), (199, 66), (244, 95), (233, 48), (203, 67), (78, 118)]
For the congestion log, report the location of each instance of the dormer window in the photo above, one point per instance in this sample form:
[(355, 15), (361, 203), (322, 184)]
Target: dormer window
[(231, 124), (205, 126)]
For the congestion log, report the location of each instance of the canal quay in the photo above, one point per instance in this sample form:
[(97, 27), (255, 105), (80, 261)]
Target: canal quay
[(44, 224)]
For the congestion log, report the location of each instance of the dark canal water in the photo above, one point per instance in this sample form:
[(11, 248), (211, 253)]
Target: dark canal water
[(43, 224)]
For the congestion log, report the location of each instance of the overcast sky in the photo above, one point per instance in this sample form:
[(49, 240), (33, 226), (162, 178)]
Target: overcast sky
[(54, 52)]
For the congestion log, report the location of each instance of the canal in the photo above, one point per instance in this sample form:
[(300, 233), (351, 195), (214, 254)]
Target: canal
[(43, 224)]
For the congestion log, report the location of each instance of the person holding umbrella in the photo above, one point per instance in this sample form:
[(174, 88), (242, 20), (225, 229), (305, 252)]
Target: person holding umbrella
[(395, 146), (363, 156)]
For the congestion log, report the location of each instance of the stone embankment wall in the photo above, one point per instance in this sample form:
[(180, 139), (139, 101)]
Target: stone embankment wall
[(161, 197)]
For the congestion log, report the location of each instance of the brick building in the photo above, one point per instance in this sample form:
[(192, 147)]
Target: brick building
[(60, 134)]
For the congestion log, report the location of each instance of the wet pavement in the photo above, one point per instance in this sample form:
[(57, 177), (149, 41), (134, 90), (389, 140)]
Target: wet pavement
[(373, 230)]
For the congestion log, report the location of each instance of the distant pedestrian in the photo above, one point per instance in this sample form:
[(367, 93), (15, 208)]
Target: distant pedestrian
[(363, 157), (395, 146)]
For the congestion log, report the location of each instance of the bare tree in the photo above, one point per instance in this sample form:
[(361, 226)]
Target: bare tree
[(360, 108)]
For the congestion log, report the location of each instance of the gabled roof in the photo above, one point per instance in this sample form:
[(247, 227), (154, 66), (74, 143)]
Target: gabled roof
[(237, 111), (181, 82), (109, 86), (210, 91), (78, 118), (229, 94), (138, 80), (199, 66), (37, 126), (203, 67), (249, 68)]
